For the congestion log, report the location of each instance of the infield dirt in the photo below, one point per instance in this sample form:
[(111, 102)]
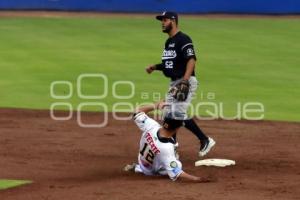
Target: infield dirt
[(65, 161)]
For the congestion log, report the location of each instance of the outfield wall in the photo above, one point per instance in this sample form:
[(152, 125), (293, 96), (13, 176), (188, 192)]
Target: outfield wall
[(181, 6)]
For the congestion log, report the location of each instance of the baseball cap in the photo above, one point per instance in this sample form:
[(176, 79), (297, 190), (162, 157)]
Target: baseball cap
[(167, 14)]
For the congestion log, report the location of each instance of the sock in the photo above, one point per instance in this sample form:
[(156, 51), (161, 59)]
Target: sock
[(191, 125)]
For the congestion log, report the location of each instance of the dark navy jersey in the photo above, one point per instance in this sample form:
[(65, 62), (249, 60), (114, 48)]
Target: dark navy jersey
[(178, 50)]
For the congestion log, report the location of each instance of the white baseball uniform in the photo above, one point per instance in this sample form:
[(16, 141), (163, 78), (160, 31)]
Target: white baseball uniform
[(156, 155)]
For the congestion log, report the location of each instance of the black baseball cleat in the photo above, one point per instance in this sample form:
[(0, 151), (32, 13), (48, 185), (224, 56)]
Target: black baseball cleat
[(206, 146)]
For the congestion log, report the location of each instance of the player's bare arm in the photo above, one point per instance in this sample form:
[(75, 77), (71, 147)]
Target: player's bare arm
[(188, 177), (190, 66), (148, 108)]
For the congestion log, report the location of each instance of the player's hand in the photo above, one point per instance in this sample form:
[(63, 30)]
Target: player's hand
[(150, 69), (207, 179), (160, 105)]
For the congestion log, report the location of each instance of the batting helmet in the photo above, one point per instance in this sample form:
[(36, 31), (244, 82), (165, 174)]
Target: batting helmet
[(173, 120)]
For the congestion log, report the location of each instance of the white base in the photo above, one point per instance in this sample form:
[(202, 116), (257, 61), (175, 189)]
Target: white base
[(215, 162)]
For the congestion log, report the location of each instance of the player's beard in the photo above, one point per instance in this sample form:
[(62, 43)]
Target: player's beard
[(168, 28)]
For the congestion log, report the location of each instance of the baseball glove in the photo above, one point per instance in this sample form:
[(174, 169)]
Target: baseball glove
[(181, 90)]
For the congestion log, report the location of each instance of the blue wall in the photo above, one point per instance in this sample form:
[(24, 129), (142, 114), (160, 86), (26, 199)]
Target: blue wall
[(189, 6)]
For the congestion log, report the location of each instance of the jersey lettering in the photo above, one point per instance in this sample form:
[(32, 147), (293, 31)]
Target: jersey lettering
[(169, 64), (148, 155), (169, 54), (151, 143)]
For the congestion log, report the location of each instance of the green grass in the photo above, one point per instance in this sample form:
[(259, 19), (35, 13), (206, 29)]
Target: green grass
[(240, 60), (5, 184)]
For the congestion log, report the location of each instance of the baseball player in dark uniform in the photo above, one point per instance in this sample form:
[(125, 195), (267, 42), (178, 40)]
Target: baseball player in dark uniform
[(178, 64)]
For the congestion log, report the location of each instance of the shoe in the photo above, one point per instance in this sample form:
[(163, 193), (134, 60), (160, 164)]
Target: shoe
[(206, 146), (130, 168), (176, 150)]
